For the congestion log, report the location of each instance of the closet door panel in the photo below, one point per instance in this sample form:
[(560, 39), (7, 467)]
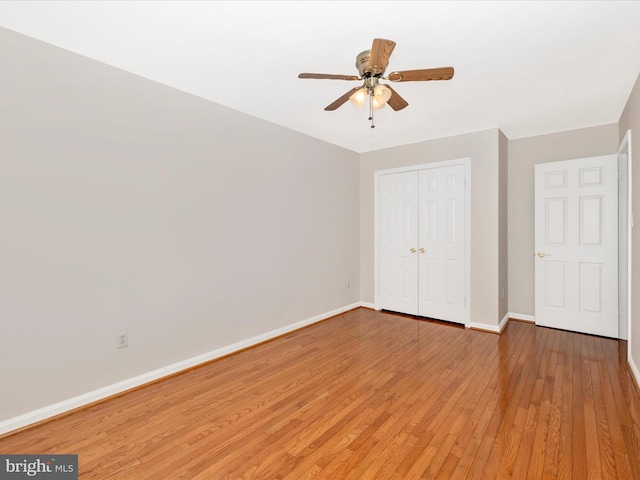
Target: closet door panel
[(441, 243), (397, 217)]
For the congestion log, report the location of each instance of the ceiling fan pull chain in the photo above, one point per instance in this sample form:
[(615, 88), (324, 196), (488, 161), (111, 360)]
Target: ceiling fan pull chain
[(371, 108)]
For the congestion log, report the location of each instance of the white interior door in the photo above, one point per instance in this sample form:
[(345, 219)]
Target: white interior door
[(576, 245), (397, 218), (441, 243)]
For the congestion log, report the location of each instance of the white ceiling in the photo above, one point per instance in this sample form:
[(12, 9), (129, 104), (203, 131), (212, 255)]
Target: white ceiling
[(527, 68)]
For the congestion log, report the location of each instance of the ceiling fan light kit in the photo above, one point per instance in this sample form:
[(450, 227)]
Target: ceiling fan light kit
[(371, 65), (359, 97)]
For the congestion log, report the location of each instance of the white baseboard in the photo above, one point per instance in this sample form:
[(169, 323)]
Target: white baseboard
[(116, 388), (634, 370), (485, 327), (503, 322), (522, 317), (368, 305)]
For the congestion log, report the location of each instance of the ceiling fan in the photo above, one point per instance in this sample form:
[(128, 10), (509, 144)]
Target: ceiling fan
[(371, 65)]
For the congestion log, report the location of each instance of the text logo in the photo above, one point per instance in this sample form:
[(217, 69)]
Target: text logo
[(44, 467)]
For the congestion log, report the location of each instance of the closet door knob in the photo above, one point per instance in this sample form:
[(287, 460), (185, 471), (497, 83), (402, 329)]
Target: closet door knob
[(422, 250), (413, 250)]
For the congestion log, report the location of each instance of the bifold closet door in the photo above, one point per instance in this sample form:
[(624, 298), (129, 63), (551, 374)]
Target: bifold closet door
[(397, 236), (442, 243)]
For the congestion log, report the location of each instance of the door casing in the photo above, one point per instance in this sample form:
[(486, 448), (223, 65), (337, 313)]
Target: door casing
[(625, 226)]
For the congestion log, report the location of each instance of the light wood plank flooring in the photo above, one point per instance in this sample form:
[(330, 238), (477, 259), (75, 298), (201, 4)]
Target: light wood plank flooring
[(371, 395)]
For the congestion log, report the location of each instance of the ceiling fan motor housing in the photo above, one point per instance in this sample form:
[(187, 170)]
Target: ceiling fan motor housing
[(362, 64)]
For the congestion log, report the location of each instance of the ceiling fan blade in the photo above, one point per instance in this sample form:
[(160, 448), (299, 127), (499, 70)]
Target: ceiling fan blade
[(444, 73), (379, 55), (328, 76), (396, 101), (341, 100)]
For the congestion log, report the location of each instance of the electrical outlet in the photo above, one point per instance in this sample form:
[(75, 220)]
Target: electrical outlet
[(122, 339)]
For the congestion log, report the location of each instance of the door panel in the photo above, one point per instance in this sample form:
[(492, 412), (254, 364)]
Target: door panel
[(397, 237), (590, 287), (556, 283), (576, 245), (442, 243), (556, 220)]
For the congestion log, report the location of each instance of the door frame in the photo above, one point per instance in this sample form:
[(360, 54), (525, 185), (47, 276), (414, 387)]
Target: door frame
[(625, 226), (466, 162)]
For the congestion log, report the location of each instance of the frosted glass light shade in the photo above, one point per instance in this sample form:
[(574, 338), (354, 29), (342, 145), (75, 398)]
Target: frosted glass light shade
[(359, 97), (377, 104), (381, 93)]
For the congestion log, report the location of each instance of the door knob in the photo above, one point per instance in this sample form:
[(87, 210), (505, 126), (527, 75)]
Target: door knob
[(422, 250), (413, 250), (542, 254)]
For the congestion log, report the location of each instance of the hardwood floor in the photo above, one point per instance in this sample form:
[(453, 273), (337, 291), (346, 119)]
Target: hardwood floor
[(371, 395)]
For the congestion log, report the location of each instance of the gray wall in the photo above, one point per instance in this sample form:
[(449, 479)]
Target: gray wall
[(128, 205), (630, 120), (482, 147), (524, 153)]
